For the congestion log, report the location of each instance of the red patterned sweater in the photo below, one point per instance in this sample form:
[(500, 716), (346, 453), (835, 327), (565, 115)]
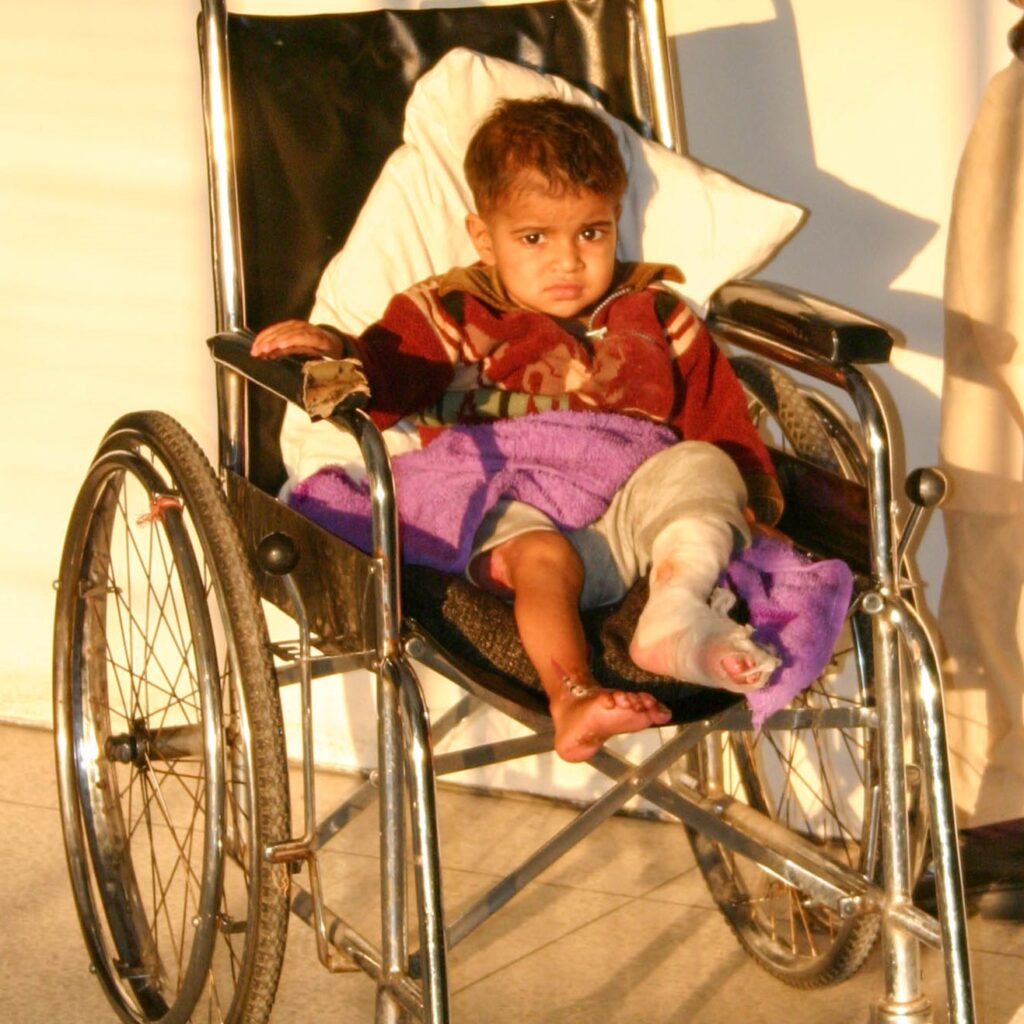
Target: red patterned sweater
[(456, 348)]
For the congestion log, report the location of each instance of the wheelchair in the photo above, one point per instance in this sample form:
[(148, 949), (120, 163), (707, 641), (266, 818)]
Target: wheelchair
[(172, 767)]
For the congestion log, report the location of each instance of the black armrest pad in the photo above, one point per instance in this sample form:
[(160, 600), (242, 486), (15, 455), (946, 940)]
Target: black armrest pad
[(283, 377), (808, 324)]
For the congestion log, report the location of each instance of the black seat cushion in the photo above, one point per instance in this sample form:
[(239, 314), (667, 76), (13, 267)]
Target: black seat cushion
[(479, 630)]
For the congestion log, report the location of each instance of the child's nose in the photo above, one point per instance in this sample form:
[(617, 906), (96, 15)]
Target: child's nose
[(568, 255)]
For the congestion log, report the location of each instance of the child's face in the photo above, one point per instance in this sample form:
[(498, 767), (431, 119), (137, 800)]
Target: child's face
[(554, 254)]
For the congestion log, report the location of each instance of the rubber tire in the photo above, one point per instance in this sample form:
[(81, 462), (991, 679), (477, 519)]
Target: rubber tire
[(233, 976), (811, 432)]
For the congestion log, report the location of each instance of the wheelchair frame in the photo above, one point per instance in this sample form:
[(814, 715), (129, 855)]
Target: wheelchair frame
[(823, 342)]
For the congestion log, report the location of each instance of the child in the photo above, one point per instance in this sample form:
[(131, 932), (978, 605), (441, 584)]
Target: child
[(550, 317)]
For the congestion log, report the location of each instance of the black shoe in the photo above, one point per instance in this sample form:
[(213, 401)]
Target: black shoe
[(992, 857)]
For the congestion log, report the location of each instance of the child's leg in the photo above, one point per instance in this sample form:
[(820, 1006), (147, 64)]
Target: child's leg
[(544, 574), (678, 518)]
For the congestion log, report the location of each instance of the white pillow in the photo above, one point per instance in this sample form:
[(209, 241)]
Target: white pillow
[(412, 224), (676, 210)]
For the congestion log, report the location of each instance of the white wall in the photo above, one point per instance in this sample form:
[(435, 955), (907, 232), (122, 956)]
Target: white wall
[(105, 287), (856, 111)]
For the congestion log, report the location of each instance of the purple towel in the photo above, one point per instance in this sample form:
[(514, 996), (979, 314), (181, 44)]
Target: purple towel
[(567, 464), (797, 606)]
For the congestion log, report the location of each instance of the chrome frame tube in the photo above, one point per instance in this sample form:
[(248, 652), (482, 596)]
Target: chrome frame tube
[(901, 952), (405, 758), (306, 701), (322, 666), (427, 864), (304, 849), (232, 421), (419, 648), (907, 533), (343, 937), (498, 752), (903, 1000), (931, 725), (627, 786), (394, 951), (728, 821), (224, 228), (226, 247), (390, 760), (668, 126), (736, 826), (357, 802)]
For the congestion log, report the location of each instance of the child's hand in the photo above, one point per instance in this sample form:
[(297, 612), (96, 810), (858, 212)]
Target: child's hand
[(296, 338)]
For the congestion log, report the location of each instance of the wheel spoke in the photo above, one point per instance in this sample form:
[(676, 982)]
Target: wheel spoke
[(150, 644)]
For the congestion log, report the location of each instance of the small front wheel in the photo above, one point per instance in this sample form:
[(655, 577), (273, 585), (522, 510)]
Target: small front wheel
[(170, 748)]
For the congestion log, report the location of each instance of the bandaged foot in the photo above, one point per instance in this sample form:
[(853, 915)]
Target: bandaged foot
[(684, 631)]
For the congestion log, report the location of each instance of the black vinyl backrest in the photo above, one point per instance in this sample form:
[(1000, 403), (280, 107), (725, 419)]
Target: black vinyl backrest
[(318, 105)]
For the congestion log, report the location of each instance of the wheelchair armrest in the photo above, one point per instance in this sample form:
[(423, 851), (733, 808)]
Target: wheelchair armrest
[(801, 326), (282, 377)]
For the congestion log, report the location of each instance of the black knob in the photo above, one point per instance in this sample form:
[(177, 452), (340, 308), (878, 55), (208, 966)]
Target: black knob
[(927, 487), (277, 554)]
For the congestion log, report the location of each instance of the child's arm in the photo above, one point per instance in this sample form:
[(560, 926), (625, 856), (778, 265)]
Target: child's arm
[(714, 409), (408, 356)]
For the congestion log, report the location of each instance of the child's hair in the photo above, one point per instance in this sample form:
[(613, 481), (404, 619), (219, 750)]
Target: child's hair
[(570, 146)]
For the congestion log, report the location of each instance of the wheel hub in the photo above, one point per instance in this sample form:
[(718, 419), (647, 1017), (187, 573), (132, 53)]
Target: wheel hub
[(129, 747)]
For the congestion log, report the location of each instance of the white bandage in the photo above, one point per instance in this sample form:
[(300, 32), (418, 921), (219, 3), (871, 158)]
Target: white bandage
[(683, 631)]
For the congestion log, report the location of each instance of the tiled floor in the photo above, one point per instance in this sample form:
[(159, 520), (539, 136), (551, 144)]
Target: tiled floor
[(620, 932)]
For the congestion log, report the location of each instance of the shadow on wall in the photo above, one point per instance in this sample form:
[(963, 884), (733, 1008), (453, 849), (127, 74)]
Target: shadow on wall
[(747, 113)]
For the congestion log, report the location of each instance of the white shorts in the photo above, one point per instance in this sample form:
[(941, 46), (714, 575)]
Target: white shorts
[(689, 479)]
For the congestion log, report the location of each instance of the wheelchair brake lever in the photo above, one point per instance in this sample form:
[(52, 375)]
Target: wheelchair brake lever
[(927, 488)]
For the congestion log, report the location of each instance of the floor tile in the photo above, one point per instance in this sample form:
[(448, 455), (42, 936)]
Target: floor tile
[(650, 963), (623, 856), (622, 931), (686, 888), (44, 970), (29, 776), (540, 914)]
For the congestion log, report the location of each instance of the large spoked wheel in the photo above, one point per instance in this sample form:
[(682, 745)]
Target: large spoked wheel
[(818, 779), (170, 750)]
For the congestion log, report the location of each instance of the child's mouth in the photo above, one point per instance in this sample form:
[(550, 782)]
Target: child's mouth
[(565, 291)]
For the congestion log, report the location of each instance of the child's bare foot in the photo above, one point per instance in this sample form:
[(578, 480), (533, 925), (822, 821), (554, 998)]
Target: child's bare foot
[(709, 649), (583, 722)]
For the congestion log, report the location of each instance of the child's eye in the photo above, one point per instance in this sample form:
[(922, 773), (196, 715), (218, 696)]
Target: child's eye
[(592, 234), (533, 238)]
